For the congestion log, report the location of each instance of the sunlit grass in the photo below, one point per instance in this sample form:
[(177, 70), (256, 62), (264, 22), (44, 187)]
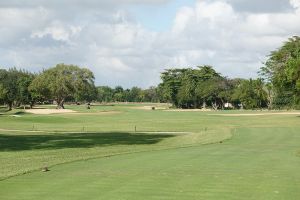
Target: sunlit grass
[(249, 157)]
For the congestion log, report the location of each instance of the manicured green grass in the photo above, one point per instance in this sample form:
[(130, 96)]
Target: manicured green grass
[(249, 157)]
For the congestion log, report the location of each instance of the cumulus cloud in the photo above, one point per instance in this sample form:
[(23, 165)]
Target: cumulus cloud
[(107, 38), (57, 31), (295, 3), (258, 6), (236, 42)]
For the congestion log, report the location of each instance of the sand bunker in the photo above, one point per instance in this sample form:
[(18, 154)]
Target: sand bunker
[(49, 111), (150, 107), (257, 114), (68, 111)]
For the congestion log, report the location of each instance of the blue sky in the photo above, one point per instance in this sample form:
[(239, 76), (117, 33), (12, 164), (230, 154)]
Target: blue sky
[(158, 18), (130, 42)]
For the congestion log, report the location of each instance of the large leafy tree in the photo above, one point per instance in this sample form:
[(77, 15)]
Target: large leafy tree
[(24, 96), (14, 87), (119, 94), (105, 94), (187, 91), (151, 94), (282, 70), (8, 86), (208, 86), (251, 94), (193, 88), (86, 92), (213, 92), (63, 81), (172, 81), (4, 89), (135, 94)]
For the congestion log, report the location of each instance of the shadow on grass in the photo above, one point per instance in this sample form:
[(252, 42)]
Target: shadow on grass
[(76, 140), (20, 113), (3, 110), (12, 112)]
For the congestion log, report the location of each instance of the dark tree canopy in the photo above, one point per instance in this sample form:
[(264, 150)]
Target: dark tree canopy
[(194, 88), (282, 71), (14, 87), (64, 81)]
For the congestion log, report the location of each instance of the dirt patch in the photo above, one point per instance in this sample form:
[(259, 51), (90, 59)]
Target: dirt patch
[(150, 108), (257, 114), (50, 111)]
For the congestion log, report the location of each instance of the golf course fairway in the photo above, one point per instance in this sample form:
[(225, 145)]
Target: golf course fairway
[(260, 160)]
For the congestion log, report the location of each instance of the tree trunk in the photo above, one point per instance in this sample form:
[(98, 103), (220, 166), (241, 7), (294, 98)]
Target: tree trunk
[(31, 104), (222, 104), (60, 104), (270, 101), (9, 105), (215, 105), (204, 105), (195, 104)]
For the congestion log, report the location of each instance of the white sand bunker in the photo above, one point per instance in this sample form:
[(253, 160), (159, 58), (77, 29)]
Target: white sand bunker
[(49, 111), (150, 107), (257, 114)]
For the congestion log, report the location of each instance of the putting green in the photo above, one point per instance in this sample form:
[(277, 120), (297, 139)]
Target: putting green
[(257, 163)]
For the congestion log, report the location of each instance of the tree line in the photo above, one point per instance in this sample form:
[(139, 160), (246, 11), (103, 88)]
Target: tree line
[(60, 83), (278, 86)]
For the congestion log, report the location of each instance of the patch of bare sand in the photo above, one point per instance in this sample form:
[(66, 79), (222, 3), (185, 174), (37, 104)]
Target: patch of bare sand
[(150, 107), (49, 111), (257, 114), (68, 111)]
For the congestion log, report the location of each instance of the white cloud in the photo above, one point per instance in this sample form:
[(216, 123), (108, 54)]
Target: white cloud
[(58, 31), (236, 43), (104, 36), (295, 3), (17, 23)]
